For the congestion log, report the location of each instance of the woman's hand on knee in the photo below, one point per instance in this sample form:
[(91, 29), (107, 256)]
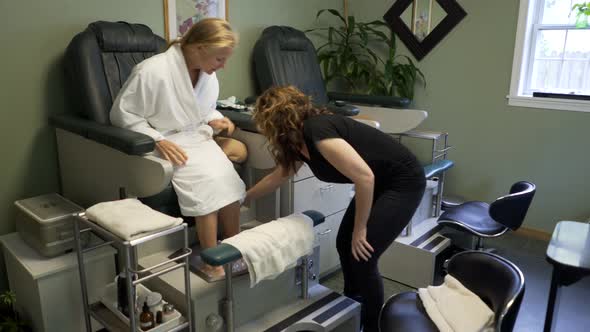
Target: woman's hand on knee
[(361, 249), (172, 152)]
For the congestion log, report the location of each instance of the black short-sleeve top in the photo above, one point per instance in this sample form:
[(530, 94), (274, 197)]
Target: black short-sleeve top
[(393, 165)]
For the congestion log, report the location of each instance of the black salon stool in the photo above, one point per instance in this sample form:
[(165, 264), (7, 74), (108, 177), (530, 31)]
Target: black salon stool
[(496, 280), (569, 253)]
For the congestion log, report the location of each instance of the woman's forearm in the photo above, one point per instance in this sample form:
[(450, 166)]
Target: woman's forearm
[(364, 201), (267, 185)]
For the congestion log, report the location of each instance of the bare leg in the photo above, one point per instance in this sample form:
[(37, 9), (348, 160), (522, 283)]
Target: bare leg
[(207, 233), (235, 150), (229, 217)]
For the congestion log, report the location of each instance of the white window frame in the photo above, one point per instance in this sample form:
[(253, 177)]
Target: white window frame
[(521, 67)]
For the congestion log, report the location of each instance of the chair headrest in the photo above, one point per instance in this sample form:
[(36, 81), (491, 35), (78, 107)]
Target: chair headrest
[(124, 37), (290, 39)]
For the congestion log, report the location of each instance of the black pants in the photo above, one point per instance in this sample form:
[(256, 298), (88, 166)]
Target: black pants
[(390, 213)]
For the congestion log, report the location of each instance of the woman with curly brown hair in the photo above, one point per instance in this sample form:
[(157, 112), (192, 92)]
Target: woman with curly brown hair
[(389, 182)]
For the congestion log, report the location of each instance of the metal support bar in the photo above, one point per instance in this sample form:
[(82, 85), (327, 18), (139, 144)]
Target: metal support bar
[(305, 277), (82, 272), (153, 275), (187, 282), (104, 244), (187, 253), (479, 245), (130, 288), (228, 303)]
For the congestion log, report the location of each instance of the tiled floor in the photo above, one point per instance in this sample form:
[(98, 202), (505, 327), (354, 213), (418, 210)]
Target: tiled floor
[(572, 309)]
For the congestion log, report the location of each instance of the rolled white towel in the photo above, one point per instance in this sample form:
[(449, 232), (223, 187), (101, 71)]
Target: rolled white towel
[(273, 247), (461, 309), (129, 218)]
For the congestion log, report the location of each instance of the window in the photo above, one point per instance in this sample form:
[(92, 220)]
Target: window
[(552, 54)]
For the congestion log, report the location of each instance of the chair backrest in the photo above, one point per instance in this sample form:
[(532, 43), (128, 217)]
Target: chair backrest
[(496, 280), (511, 209), (99, 60), (285, 56)]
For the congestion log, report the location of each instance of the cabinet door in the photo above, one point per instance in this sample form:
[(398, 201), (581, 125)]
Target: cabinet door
[(303, 173), (327, 198), (326, 234)]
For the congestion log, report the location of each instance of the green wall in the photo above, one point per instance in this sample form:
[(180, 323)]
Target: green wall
[(468, 78), (34, 37)]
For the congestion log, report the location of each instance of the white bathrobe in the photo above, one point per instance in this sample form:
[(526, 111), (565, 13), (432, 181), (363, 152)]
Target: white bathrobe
[(158, 100)]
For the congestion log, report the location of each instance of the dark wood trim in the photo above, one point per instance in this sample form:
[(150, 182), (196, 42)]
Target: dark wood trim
[(419, 49)]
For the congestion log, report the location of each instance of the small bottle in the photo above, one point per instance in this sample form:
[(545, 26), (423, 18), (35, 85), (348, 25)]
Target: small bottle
[(159, 317), (146, 319), (122, 303)]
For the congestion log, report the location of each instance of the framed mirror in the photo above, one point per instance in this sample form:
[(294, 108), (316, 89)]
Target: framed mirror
[(422, 24)]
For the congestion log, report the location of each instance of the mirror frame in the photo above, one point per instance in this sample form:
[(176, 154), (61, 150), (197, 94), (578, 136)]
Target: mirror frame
[(419, 49)]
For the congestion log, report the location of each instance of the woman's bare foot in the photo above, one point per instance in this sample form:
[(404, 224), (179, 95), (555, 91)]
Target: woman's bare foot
[(210, 273)]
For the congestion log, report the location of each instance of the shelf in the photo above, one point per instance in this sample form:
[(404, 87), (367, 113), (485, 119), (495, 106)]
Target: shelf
[(112, 323)]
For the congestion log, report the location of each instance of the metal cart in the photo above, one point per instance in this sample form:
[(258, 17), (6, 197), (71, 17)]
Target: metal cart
[(98, 310)]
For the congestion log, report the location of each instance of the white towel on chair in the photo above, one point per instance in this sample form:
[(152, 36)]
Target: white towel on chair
[(128, 218), (273, 247), (454, 308)]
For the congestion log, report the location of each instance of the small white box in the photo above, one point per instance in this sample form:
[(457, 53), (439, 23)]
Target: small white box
[(46, 223)]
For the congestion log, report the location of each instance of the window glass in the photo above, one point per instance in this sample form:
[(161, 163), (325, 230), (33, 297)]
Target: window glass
[(558, 12), (550, 44)]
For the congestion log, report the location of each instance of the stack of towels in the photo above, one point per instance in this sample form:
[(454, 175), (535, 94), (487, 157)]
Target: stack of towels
[(454, 308), (129, 218), (273, 247)]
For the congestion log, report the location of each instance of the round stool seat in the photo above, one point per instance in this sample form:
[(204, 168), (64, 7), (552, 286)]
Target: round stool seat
[(405, 312)]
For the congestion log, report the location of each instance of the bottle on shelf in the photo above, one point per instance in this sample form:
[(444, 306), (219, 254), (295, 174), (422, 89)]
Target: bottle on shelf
[(146, 319)]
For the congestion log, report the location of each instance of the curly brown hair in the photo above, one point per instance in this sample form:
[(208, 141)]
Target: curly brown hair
[(279, 116)]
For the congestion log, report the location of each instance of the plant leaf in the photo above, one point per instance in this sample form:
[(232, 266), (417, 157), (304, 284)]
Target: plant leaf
[(333, 12)]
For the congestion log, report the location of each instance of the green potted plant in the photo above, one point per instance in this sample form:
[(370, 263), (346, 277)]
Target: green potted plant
[(582, 11), (9, 318), (351, 55)]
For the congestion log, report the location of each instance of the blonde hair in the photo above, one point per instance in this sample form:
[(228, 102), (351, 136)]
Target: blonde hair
[(279, 115), (209, 33)]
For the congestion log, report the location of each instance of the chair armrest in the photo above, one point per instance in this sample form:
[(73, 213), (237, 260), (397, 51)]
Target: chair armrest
[(385, 101), (341, 108), (220, 255), (225, 253), (437, 167), (317, 217), (124, 140)]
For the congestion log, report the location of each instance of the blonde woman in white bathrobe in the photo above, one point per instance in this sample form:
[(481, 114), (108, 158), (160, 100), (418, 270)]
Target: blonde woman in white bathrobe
[(171, 97)]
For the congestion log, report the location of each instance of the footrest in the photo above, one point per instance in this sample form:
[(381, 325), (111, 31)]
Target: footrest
[(225, 253), (333, 312), (437, 167), (220, 255)]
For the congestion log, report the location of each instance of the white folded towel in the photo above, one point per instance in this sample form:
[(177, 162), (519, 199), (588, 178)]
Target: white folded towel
[(454, 308), (273, 247), (129, 218)]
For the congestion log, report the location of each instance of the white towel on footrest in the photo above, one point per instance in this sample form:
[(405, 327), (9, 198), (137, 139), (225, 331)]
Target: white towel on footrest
[(273, 247), (454, 308), (128, 218)]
